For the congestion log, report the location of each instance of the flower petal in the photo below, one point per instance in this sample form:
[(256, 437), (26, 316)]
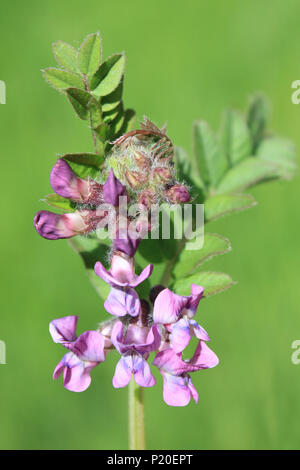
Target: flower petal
[(113, 189), (89, 346), (203, 358), (194, 299), (107, 276), (180, 334), (198, 331), (115, 303), (175, 391), (144, 275), (142, 372), (66, 183), (123, 372), (63, 329), (167, 307), (54, 226)]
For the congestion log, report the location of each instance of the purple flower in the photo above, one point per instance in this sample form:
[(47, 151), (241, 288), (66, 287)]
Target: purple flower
[(178, 387), (176, 313), (113, 189), (86, 352), (135, 347), (55, 226), (67, 184), (126, 244), (122, 298), (178, 194)]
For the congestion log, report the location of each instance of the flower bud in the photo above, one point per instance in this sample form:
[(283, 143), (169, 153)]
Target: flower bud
[(67, 184), (142, 160), (147, 198), (135, 178), (162, 175), (113, 189), (178, 194), (54, 226)]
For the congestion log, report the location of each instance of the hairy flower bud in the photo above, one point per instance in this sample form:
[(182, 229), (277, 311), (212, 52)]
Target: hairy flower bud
[(162, 175), (147, 198), (135, 179), (142, 160), (178, 194)]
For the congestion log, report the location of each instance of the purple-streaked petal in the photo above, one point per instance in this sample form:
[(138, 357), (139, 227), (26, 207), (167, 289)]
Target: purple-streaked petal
[(54, 226), (170, 362), (193, 300), (126, 244), (63, 329), (133, 304), (107, 276), (198, 331), (142, 372), (140, 339), (115, 303), (89, 346), (122, 270), (175, 391), (113, 189), (180, 335), (203, 358), (167, 307), (192, 389), (76, 374), (59, 368), (123, 372), (121, 301), (152, 341), (66, 183), (147, 271)]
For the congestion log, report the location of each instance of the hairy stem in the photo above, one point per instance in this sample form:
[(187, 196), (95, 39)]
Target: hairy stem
[(136, 416)]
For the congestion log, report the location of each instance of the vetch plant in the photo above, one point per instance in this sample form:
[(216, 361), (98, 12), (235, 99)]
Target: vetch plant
[(151, 288)]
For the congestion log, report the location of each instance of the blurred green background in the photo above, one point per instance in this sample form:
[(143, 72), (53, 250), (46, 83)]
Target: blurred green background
[(185, 60)]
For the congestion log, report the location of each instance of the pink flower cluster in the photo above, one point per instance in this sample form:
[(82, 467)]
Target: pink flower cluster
[(136, 331)]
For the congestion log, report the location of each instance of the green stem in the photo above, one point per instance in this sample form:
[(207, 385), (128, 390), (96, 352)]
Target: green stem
[(136, 416)]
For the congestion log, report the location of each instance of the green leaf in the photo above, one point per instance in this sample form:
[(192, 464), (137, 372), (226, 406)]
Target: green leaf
[(92, 250), (62, 79), (281, 153), (85, 105), (235, 137), (210, 160), (60, 202), (221, 205), (66, 55), (89, 54), (246, 174), (189, 260), (108, 76), (112, 114), (84, 164), (111, 101), (257, 119), (212, 282), (79, 99)]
